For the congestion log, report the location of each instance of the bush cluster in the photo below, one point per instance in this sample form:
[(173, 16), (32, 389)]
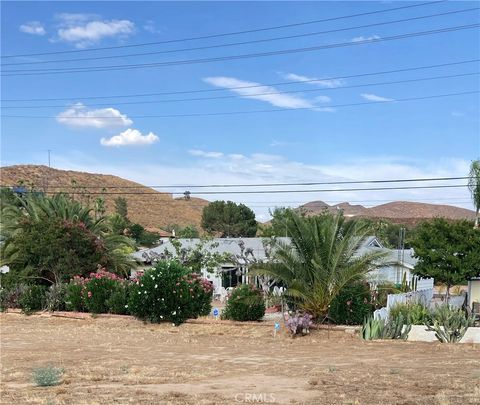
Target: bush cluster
[(170, 292), (245, 304), (415, 313), (352, 305)]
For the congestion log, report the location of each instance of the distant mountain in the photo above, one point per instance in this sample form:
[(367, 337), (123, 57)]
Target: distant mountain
[(396, 211), (153, 210)]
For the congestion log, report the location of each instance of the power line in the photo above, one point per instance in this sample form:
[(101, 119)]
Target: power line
[(256, 94), (227, 33), (252, 86), (30, 72), (284, 191), (242, 42), (323, 183), (257, 111)]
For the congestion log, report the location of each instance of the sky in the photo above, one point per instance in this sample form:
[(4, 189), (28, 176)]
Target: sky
[(219, 128)]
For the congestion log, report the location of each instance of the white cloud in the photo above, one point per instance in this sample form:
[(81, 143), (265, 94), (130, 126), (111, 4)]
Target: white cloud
[(130, 137), (83, 30), (33, 27), (327, 83), (258, 93), (374, 97), (201, 153), (79, 116), (368, 38)]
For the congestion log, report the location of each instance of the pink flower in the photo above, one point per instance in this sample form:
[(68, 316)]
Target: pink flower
[(89, 294)]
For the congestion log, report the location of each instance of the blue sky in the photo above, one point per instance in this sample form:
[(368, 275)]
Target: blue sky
[(424, 138)]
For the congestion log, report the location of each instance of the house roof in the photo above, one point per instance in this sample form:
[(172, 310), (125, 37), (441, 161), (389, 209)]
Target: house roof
[(256, 246)]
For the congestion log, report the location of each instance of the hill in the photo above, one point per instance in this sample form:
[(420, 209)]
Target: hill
[(155, 210), (405, 212)]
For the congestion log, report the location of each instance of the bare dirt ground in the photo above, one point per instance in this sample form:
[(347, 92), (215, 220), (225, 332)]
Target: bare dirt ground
[(124, 361)]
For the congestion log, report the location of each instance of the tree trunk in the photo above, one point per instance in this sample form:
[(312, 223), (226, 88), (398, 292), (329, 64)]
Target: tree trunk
[(447, 294)]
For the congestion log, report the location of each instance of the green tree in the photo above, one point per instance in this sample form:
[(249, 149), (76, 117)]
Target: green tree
[(121, 207), (229, 219), (53, 238), (447, 251), (474, 186), (321, 259), (277, 226), (187, 232)]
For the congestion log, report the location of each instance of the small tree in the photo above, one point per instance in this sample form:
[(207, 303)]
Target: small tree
[(447, 251), (229, 219), (121, 207), (474, 186)]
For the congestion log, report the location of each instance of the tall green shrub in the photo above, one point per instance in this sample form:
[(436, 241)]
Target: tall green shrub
[(170, 292), (33, 298), (352, 305), (245, 304)]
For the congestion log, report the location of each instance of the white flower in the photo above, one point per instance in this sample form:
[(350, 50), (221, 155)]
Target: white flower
[(156, 285), (145, 292), (174, 313), (126, 306), (163, 299), (139, 292), (141, 285)]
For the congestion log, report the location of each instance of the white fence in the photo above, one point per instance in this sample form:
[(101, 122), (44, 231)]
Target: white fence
[(421, 296)]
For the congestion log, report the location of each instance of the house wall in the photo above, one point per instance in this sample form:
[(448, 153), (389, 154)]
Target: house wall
[(473, 292)]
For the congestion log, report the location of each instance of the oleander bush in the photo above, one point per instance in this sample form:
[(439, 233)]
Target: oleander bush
[(352, 305), (170, 292), (101, 292), (245, 304)]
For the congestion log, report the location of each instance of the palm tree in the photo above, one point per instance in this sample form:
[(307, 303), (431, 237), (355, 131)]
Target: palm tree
[(34, 209), (321, 259), (474, 186)]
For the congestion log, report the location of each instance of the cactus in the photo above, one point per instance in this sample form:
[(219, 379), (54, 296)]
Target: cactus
[(396, 329), (449, 325)]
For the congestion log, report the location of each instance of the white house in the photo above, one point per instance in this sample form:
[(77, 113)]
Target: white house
[(398, 264)]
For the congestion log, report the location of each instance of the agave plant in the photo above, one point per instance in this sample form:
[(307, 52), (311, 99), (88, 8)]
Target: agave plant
[(321, 259), (449, 324)]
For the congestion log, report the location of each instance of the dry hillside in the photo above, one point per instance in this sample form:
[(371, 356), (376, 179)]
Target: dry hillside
[(397, 211), (153, 210)]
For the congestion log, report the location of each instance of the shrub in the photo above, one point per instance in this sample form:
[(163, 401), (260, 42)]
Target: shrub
[(117, 303), (56, 296), (100, 293), (245, 304), (33, 298), (10, 296), (73, 295), (298, 323), (352, 305), (414, 313), (170, 292), (47, 376), (98, 289)]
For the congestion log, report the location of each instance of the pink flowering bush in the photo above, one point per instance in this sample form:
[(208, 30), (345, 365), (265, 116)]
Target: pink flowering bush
[(100, 292), (170, 292)]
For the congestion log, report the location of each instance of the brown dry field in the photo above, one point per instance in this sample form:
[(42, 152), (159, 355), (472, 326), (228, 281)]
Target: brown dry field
[(118, 360)]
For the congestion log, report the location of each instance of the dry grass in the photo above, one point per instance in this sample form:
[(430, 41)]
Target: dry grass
[(120, 360)]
